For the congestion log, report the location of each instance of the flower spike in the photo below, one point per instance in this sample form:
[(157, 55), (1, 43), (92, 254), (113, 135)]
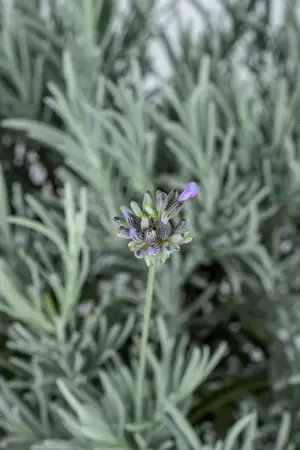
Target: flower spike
[(151, 229)]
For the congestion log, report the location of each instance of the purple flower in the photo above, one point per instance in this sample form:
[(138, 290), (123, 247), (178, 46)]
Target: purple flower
[(190, 190), (152, 233)]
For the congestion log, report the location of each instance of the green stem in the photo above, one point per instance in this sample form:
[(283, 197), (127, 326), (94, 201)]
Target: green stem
[(144, 341)]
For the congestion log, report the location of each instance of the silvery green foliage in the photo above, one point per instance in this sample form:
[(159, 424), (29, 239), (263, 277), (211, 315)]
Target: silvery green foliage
[(73, 389), (43, 335), (82, 423), (229, 204), (104, 416), (85, 417)]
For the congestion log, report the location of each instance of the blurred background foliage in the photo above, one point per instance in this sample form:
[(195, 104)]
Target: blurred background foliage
[(89, 123)]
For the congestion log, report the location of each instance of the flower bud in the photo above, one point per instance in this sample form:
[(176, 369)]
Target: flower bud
[(164, 257), (131, 219), (151, 211), (171, 196), (148, 200), (171, 211), (135, 245), (187, 239), (136, 209), (161, 201), (166, 248), (145, 222), (164, 230), (124, 233), (177, 238), (120, 221), (150, 236), (135, 234), (181, 227), (141, 252)]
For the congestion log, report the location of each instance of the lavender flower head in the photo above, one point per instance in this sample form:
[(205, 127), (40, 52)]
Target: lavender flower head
[(152, 231)]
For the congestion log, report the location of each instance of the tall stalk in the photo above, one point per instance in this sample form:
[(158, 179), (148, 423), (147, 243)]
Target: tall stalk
[(144, 341)]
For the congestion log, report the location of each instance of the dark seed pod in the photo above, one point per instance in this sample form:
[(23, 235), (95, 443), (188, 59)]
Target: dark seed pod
[(150, 236), (164, 230)]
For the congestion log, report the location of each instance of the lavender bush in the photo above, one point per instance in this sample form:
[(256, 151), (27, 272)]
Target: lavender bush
[(106, 345)]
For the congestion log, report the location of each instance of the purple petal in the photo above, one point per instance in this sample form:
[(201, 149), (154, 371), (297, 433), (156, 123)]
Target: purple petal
[(153, 250), (127, 213), (133, 233), (190, 190)]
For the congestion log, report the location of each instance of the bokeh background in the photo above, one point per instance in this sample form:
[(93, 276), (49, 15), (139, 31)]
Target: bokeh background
[(100, 101)]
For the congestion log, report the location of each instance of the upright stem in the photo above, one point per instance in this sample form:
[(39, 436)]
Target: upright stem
[(144, 341)]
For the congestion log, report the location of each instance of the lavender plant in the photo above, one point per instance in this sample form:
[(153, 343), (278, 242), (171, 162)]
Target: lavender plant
[(154, 237), (79, 119)]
